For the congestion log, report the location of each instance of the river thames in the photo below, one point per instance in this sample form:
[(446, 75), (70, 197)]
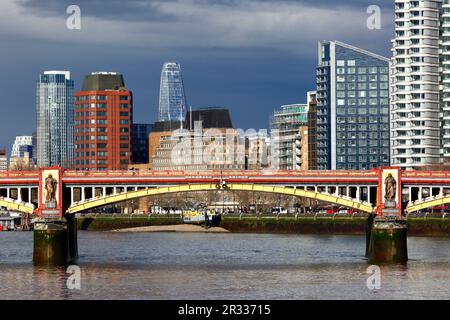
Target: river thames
[(223, 266)]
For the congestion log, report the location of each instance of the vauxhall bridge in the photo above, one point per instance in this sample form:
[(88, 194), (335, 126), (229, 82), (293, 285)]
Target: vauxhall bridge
[(386, 194)]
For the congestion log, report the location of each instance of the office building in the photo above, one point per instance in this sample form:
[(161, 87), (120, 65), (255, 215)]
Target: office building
[(140, 142), (312, 130), (206, 142), (352, 108), (18, 147), (103, 123), (55, 106)]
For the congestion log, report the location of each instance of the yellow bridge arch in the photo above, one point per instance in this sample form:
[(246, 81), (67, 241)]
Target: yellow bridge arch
[(17, 206), (115, 198), (428, 203)]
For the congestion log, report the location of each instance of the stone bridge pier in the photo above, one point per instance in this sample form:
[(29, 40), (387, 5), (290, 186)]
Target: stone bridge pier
[(55, 233), (387, 227)]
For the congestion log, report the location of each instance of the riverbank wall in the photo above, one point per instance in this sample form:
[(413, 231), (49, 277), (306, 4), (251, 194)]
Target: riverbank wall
[(430, 227)]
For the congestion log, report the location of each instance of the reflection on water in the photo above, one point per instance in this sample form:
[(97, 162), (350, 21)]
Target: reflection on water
[(223, 266)]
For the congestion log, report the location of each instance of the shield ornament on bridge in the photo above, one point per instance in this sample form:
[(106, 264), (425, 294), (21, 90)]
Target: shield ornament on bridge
[(50, 193), (389, 195)]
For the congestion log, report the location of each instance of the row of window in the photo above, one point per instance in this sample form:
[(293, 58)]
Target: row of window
[(101, 98), (362, 70), (99, 121), (99, 154), (362, 94), (361, 86), (363, 78), (99, 114)]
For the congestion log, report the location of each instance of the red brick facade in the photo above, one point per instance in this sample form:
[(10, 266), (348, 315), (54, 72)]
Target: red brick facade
[(103, 123)]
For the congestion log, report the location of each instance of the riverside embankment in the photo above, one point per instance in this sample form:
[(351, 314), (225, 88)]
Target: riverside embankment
[(432, 227)]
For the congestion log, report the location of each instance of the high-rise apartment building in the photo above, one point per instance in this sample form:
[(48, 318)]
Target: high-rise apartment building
[(54, 106), (352, 108), (103, 123), (172, 99), (288, 136), (420, 83)]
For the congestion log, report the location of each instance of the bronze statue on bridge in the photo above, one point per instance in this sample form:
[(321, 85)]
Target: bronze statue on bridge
[(390, 185), (50, 189)]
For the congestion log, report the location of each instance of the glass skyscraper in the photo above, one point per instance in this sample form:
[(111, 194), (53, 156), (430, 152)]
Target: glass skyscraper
[(352, 108), (55, 119), (172, 100)]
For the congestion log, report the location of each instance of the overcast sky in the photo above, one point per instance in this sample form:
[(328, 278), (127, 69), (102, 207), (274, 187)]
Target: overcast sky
[(249, 56)]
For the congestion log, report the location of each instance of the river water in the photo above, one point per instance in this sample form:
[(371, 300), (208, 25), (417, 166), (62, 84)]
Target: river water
[(223, 266)]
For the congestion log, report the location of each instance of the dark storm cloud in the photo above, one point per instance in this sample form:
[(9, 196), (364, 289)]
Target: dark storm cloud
[(249, 56), (131, 10)]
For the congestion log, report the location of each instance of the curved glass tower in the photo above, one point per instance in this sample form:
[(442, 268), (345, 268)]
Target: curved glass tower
[(172, 100)]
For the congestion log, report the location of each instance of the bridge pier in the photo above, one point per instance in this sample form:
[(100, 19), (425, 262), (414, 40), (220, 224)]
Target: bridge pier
[(388, 241), (55, 242)]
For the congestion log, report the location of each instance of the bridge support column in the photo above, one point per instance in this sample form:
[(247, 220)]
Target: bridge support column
[(369, 226), (388, 241), (50, 243), (55, 242)]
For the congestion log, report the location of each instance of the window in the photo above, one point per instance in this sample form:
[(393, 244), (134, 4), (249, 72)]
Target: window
[(123, 98)]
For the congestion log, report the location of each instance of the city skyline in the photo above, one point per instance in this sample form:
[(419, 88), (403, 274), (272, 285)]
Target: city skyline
[(260, 72)]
